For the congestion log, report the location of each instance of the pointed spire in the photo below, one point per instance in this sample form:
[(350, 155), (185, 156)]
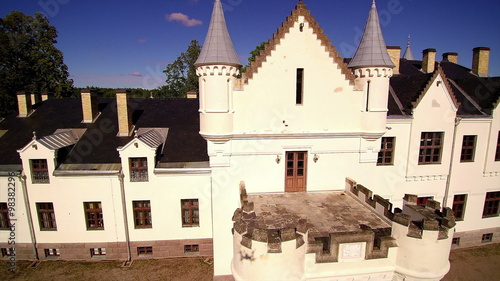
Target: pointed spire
[(408, 54), (372, 50), (218, 47)]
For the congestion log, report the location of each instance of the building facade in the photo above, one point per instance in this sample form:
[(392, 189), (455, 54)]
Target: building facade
[(308, 166)]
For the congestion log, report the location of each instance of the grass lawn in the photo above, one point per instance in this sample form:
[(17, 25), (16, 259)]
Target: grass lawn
[(472, 264)]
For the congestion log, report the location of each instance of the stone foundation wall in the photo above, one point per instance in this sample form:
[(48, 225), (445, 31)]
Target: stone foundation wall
[(24, 251), (114, 250), (473, 238)]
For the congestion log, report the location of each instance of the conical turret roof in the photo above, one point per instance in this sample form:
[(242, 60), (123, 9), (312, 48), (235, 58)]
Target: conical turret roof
[(408, 54), (372, 50), (218, 47)]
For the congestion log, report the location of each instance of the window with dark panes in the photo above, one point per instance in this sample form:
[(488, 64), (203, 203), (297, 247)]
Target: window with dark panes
[(142, 214), (190, 212), (93, 215), (46, 216), (386, 154), (4, 216), (39, 171), (491, 203), (138, 169), (431, 146), (468, 149), (459, 201)]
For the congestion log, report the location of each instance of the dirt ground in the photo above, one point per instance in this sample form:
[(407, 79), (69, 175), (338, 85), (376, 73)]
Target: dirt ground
[(473, 264)]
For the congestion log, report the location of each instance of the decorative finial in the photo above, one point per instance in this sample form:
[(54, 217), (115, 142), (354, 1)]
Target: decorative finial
[(135, 134), (34, 135), (408, 44)]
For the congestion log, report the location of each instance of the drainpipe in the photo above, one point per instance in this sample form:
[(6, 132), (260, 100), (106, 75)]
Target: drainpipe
[(22, 179), (448, 178), (125, 220)]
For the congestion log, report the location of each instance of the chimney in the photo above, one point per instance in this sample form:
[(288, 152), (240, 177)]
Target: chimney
[(192, 95), (45, 96), (395, 54), (24, 104), (451, 57), (90, 106), (480, 61), (429, 60), (124, 113), (35, 98)]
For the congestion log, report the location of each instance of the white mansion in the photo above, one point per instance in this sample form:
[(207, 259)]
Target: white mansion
[(308, 166)]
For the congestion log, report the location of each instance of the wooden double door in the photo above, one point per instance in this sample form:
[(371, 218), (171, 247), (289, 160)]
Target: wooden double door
[(296, 171)]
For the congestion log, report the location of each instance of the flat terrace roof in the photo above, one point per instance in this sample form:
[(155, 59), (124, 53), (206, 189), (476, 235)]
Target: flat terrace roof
[(326, 212)]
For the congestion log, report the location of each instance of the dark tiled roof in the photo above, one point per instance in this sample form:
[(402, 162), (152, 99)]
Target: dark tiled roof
[(49, 116), (99, 143), (477, 96)]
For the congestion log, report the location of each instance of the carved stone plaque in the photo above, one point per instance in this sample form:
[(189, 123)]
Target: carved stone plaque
[(352, 251)]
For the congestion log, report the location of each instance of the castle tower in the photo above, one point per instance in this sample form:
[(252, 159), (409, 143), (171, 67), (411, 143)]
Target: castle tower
[(372, 67), (408, 54), (217, 66)]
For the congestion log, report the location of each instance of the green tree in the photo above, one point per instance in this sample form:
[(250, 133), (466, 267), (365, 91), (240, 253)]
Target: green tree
[(181, 73), (254, 54), (29, 60)]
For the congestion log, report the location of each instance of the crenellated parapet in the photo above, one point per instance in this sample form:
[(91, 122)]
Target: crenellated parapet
[(253, 229), (371, 72), (421, 218), (217, 70)]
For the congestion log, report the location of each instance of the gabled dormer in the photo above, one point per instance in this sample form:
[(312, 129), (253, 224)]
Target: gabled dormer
[(41, 156), (139, 156)]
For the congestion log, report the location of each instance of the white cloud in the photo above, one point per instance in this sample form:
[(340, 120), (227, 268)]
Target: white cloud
[(135, 74), (142, 40), (183, 19)]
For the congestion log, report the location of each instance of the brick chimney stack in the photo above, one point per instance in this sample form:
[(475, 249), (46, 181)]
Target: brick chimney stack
[(395, 55), (24, 104), (90, 106), (429, 60), (124, 113), (451, 57), (480, 61)]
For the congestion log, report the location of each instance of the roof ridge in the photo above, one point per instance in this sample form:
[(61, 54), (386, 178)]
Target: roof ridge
[(300, 10), (467, 96)]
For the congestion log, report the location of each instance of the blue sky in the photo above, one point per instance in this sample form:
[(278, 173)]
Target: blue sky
[(111, 43)]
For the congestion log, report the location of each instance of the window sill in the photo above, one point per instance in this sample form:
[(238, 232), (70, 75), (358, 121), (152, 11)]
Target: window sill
[(92, 229), (492, 216), (192, 254), (143, 227), (188, 226), (48, 229)]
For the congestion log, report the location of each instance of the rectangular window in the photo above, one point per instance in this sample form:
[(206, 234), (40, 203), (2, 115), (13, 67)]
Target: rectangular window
[(144, 251), (491, 203), (459, 206), (97, 252), (142, 214), (138, 169), (386, 154), (190, 212), (191, 249), (497, 154), (39, 171), (431, 144), (455, 241), (4, 216), (8, 252), (423, 200), (300, 86), (52, 253), (93, 215), (468, 149), (46, 216), (487, 237)]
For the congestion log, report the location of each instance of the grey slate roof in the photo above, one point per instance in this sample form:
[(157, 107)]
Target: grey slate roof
[(218, 47), (408, 54), (372, 50), (59, 140)]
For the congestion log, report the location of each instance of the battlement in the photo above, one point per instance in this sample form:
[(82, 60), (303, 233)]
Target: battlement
[(418, 218), (217, 70), (254, 229)]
